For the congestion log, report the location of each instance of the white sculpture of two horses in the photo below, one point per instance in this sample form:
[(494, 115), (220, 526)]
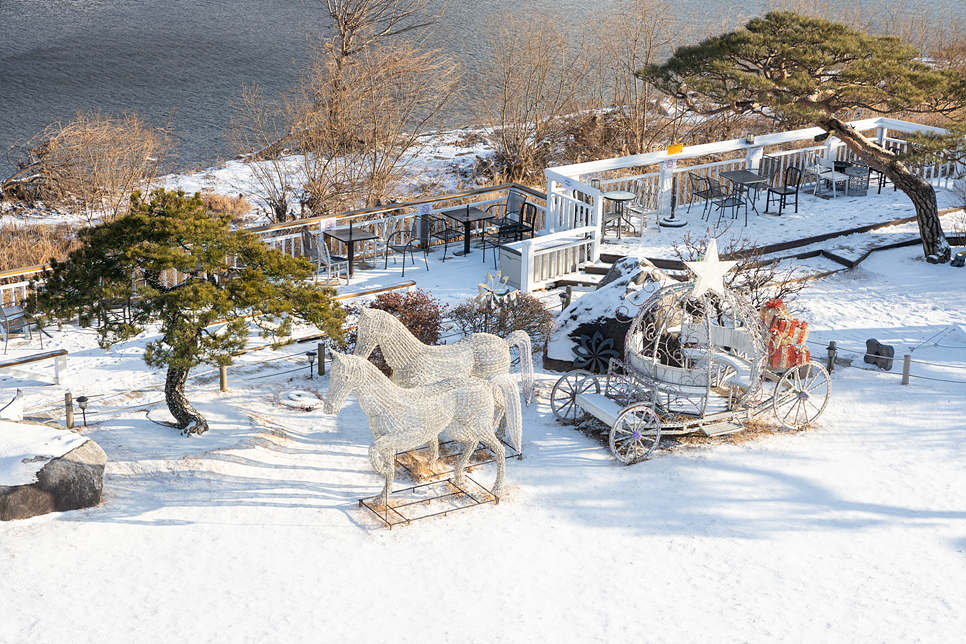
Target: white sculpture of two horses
[(402, 419), (416, 364)]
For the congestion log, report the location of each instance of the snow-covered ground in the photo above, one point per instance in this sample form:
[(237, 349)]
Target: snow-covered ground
[(852, 531)]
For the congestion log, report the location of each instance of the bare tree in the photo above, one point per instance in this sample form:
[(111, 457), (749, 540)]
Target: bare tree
[(356, 115), (635, 34), (365, 119), (92, 164), (532, 75), (257, 124)]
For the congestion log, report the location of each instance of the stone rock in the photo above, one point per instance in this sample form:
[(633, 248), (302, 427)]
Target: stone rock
[(607, 311), (70, 482)]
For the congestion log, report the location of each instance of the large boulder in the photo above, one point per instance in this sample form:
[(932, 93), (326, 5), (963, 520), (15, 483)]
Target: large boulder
[(43, 480), (591, 330)]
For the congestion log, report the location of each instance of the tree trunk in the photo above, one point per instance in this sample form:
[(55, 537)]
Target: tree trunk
[(188, 420), (934, 244)]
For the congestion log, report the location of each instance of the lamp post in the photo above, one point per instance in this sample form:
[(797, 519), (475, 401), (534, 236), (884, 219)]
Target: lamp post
[(311, 355), (82, 401)]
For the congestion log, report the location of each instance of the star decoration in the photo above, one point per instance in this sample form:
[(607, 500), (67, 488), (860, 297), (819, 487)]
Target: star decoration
[(710, 273)]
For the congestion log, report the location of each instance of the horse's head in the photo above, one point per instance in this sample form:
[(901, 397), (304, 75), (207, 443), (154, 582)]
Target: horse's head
[(340, 383), (368, 333)]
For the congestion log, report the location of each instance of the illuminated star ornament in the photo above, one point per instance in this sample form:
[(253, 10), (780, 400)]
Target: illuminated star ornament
[(709, 274)]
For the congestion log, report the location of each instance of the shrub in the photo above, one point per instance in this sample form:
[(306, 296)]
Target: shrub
[(419, 312), (236, 207), (522, 313)]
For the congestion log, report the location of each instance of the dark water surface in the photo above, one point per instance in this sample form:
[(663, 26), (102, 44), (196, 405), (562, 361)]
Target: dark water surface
[(186, 58)]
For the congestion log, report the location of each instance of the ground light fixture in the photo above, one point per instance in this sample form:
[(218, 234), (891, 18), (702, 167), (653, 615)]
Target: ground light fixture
[(311, 355), (82, 401)]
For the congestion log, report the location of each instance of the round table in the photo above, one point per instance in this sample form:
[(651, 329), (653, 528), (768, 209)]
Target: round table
[(619, 197)]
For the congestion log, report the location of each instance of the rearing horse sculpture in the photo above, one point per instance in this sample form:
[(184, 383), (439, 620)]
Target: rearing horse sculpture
[(416, 364), (402, 419)]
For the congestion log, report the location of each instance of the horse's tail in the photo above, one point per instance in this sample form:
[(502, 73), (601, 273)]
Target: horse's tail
[(507, 388), (521, 341)]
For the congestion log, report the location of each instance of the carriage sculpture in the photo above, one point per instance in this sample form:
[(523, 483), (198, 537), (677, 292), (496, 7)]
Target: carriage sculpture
[(695, 361)]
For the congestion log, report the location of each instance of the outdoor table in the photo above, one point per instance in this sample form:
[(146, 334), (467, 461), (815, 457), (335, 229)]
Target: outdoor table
[(350, 237), (619, 197), (468, 215), (744, 179)]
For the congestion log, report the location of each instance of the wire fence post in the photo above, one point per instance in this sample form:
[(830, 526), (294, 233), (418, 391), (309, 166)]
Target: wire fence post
[(321, 354), (906, 366), (223, 377), (831, 356), (69, 404)]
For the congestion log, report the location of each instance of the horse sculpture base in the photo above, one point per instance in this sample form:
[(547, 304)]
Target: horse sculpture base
[(428, 500), (415, 462)]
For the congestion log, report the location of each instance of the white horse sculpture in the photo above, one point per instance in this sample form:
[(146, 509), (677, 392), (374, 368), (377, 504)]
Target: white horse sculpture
[(402, 419), (416, 364)]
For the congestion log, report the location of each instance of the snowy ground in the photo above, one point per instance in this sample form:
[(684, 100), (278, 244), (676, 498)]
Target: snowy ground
[(853, 531)]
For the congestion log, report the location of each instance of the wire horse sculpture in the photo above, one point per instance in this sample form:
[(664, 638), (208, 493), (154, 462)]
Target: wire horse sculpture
[(400, 419), (415, 364)]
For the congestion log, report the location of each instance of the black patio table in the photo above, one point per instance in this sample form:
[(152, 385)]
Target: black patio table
[(350, 237), (745, 179), (468, 215)]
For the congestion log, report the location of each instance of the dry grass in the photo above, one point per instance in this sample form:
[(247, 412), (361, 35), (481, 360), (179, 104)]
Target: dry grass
[(32, 244), (237, 207)]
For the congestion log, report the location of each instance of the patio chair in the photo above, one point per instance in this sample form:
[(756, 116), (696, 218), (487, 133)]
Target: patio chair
[(643, 205), (404, 241), (441, 230), (769, 168), (823, 171), (503, 230), (13, 320), (325, 262), (793, 182), (702, 187), (526, 219), (733, 200)]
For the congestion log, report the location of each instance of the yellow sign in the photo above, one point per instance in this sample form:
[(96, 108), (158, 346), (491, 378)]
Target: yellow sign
[(676, 148)]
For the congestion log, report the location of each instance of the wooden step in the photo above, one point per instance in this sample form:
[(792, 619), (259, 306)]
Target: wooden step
[(719, 429)]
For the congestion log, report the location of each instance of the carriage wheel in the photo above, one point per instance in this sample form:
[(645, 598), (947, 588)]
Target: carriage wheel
[(563, 398), (801, 395), (635, 434)]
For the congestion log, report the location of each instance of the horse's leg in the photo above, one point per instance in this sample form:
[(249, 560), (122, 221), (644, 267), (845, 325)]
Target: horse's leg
[(382, 454), (494, 444), (468, 448)]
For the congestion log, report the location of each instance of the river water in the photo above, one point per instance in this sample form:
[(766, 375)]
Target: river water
[(182, 60)]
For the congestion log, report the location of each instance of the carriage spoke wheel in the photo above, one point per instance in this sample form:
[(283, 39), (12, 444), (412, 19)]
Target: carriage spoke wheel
[(635, 434), (801, 395), (563, 397)]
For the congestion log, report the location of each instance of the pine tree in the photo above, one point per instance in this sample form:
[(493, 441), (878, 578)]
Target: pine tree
[(227, 280), (801, 70)]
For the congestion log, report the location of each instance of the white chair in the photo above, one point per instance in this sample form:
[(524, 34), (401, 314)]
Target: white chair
[(643, 206), (12, 320), (326, 263), (824, 170)]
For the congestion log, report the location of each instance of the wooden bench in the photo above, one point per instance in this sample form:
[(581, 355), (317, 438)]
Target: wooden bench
[(12, 367)]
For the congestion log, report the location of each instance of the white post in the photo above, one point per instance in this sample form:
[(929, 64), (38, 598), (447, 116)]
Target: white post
[(552, 215), (526, 266), (60, 364), (665, 183), (753, 158)]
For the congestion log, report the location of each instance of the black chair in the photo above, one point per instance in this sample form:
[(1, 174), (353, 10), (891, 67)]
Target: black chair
[(733, 201), (793, 181), (526, 219), (503, 230), (405, 241), (701, 187), (770, 168), (441, 230)]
